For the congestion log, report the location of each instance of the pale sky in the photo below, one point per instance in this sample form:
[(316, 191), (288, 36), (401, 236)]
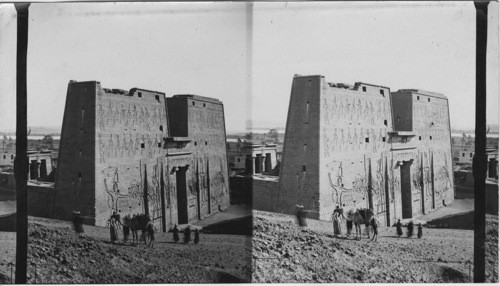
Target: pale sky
[(424, 45), (201, 48), (170, 47)]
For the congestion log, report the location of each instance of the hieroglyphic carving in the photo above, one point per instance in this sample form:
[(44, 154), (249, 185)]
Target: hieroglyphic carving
[(355, 140), (101, 147)]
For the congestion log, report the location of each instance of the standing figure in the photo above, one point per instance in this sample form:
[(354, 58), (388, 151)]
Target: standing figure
[(350, 216), (410, 229), (337, 229), (349, 227), (78, 222), (187, 234), (175, 231), (113, 228), (398, 228), (126, 227), (419, 233), (150, 231), (196, 236), (301, 216)]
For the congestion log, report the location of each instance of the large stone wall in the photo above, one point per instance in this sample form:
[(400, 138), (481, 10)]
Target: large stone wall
[(354, 145), (430, 149), (207, 183), (207, 128), (363, 146), (266, 195), (118, 153), (129, 152), (299, 180), (40, 200), (75, 177)]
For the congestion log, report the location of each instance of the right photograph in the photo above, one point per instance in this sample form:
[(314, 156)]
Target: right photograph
[(362, 139)]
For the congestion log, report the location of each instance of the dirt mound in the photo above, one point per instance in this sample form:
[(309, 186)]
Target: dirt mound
[(57, 255), (284, 252)]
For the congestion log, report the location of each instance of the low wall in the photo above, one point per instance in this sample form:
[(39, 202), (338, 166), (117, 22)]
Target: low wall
[(465, 190), (40, 201), (241, 190), (456, 221), (8, 222), (265, 195), (7, 181)]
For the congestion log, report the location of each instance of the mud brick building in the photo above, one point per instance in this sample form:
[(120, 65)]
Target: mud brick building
[(362, 146), (139, 152)]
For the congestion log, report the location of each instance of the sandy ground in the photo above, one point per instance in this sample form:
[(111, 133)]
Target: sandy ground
[(284, 252), (232, 212), (455, 207), (61, 256)]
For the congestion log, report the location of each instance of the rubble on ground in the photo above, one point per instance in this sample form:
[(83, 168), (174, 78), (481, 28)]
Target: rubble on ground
[(58, 255), (286, 253)]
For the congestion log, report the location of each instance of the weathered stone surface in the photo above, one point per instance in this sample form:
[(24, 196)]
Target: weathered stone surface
[(139, 152), (362, 147)]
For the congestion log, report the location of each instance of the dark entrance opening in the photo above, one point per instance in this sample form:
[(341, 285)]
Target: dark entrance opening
[(43, 168), (182, 206), (406, 189)]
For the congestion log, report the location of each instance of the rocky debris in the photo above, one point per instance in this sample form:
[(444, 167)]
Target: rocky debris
[(62, 256), (286, 253)]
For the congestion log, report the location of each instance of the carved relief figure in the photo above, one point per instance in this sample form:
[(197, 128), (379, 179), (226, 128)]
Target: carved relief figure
[(326, 143), (101, 149), (100, 111), (335, 143)]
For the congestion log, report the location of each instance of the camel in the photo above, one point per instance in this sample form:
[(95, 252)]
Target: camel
[(142, 223), (366, 217)]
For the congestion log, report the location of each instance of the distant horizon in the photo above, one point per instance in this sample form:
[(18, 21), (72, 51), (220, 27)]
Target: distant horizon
[(495, 130), (246, 54)]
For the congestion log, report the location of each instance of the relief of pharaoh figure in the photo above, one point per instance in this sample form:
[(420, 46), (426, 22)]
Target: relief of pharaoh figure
[(101, 116), (335, 139), (326, 141), (111, 146), (355, 140), (341, 109), (109, 116), (124, 143), (133, 115), (118, 146), (326, 108)]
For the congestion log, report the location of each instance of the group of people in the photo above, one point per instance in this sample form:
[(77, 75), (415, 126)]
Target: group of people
[(409, 227), (337, 218), (187, 235), (114, 224)]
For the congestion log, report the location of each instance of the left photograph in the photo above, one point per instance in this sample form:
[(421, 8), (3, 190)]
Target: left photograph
[(128, 109)]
